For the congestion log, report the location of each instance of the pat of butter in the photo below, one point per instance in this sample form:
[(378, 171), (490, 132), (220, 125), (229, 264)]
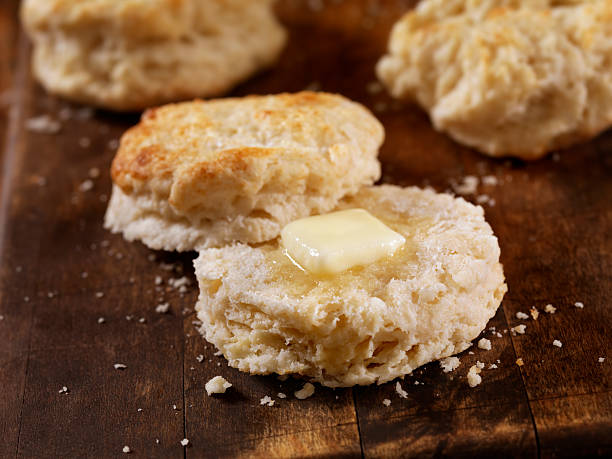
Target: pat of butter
[(331, 243)]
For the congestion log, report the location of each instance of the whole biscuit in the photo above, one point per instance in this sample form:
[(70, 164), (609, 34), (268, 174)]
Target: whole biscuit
[(367, 324), (133, 54), (202, 174), (507, 77)]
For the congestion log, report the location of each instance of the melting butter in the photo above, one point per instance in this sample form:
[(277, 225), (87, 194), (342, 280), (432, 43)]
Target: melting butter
[(334, 242)]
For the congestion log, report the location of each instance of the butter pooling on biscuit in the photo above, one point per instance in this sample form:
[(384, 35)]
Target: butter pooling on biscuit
[(133, 54), (203, 174), (507, 77), (368, 324)]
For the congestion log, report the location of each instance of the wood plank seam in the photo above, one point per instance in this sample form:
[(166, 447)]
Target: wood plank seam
[(358, 422), (531, 415), (10, 161)]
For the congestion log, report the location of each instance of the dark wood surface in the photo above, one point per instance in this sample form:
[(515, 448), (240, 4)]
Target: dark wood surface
[(553, 219)]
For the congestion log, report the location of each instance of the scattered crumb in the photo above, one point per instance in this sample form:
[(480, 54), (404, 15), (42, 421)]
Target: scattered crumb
[(184, 442), (519, 329), (557, 343), (94, 172), (217, 385), (485, 344), (374, 87), (281, 395), (139, 410), (162, 308), (99, 294), (200, 358), (550, 309), (520, 362), (479, 364), (267, 400), (579, 305), (158, 280), (86, 185), (63, 390), (43, 124), (175, 408), (492, 366), (386, 402), (305, 391), (401, 392), (473, 376), (489, 180), (126, 449), (471, 352), (119, 366), (521, 315), (101, 320), (142, 320), (468, 185), (498, 334), (534, 313), (449, 364), (601, 359)]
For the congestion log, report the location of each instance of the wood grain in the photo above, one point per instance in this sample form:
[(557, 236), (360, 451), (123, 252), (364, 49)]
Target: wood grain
[(553, 219)]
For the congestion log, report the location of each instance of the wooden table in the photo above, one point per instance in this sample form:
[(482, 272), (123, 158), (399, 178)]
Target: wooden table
[(61, 272)]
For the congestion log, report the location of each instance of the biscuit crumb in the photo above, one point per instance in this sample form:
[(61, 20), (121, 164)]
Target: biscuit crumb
[(217, 385), (520, 362), (184, 442), (267, 400), (99, 294), (281, 395), (386, 402), (101, 320), (468, 185), (94, 172), (162, 308), (401, 392), (492, 366), (521, 315), (519, 329), (119, 366), (87, 185), (550, 309), (490, 180), (473, 376), (601, 359), (534, 313), (485, 344), (579, 305), (200, 358), (305, 391), (126, 449), (63, 390), (449, 364), (43, 124), (557, 343)]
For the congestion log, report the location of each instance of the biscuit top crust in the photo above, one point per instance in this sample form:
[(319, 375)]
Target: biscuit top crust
[(199, 155), (133, 19)]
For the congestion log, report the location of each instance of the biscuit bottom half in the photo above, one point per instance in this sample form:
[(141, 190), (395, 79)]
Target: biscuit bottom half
[(369, 324)]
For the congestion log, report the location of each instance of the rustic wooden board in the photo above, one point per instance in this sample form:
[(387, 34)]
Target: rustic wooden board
[(553, 219)]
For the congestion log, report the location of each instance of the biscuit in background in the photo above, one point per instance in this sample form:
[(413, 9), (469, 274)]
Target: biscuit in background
[(368, 324), (132, 54), (203, 174), (507, 77)]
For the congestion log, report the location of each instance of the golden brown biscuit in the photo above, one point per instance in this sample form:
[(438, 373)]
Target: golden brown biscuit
[(133, 54), (507, 77), (201, 174)]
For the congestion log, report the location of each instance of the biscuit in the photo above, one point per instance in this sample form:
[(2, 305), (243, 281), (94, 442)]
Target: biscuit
[(202, 174), (507, 77), (367, 324), (131, 54)]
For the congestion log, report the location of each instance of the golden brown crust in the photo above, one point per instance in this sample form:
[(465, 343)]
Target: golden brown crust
[(273, 158)]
